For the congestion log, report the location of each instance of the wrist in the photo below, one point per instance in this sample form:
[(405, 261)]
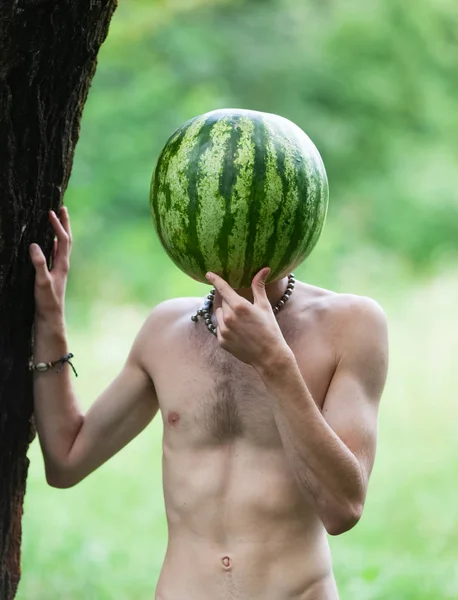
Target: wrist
[(53, 324), (275, 362), (50, 340)]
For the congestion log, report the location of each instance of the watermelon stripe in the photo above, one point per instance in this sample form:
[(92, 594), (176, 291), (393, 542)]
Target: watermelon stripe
[(169, 148), (193, 247), (313, 230), (315, 203), (300, 216), (291, 198), (320, 216), (211, 214), (256, 195), (272, 249), (227, 183), (176, 219), (320, 184), (154, 194), (276, 186), (305, 175), (238, 236), (159, 184)]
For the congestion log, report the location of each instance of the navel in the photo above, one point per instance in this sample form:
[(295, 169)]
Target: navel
[(173, 418), (226, 563)]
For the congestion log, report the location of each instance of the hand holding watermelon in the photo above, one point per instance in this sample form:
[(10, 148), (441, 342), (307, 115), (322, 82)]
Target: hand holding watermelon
[(249, 331)]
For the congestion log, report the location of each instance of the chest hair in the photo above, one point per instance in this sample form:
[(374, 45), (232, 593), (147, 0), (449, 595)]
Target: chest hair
[(236, 404)]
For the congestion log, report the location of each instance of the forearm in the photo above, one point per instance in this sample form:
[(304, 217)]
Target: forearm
[(328, 473), (58, 417)]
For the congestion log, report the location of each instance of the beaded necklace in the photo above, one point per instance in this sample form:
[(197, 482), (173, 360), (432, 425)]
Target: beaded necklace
[(204, 311)]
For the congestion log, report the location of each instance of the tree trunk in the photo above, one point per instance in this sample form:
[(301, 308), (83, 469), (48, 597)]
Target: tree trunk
[(48, 54)]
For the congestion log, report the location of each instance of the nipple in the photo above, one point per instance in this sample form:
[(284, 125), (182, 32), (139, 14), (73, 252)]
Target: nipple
[(173, 418), (226, 562)]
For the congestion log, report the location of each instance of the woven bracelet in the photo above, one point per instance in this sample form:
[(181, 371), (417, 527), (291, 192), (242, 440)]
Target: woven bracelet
[(46, 366)]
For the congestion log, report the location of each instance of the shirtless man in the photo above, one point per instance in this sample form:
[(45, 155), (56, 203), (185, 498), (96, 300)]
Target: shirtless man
[(269, 428)]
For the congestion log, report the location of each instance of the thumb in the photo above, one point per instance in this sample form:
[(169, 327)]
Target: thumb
[(258, 286)]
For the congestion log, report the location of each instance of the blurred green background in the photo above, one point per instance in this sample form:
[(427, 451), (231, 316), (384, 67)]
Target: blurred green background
[(375, 86)]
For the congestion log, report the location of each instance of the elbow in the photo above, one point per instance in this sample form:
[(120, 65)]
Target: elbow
[(343, 519)]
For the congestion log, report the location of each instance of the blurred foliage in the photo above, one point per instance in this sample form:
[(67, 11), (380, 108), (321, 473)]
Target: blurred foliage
[(373, 83)]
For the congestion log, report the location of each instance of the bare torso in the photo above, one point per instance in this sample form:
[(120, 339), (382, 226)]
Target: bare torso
[(245, 474), (239, 528)]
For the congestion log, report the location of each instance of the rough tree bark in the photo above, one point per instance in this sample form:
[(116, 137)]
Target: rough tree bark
[(48, 53)]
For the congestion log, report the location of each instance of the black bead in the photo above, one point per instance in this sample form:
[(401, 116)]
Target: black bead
[(194, 318)]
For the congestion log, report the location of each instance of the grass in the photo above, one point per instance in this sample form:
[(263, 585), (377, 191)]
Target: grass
[(105, 539)]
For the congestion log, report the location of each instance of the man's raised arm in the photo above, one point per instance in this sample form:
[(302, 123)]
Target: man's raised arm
[(74, 444)]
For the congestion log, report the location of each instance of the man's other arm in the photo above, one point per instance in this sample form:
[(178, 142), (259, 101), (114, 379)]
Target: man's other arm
[(74, 444)]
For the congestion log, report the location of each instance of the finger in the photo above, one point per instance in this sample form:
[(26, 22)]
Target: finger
[(63, 243), (38, 259), (229, 294), (228, 313), (219, 317), (258, 285), (65, 220), (221, 327), (54, 254), (60, 232)]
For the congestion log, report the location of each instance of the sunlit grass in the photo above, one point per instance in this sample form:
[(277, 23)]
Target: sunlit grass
[(106, 538)]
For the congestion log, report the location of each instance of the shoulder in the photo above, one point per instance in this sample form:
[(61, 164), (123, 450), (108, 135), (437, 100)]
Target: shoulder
[(357, 320), (358, 312), (362, 340), (173, 308), (165, 318), (171, 315), (355, 326), (344, 311)]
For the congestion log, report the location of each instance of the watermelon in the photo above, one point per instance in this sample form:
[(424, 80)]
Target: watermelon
[(236, 190)]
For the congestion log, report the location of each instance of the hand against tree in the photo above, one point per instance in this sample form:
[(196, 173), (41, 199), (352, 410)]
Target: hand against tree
[(248, 331), (50, 284)]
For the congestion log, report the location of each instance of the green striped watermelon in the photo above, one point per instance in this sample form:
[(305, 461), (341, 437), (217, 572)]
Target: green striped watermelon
[(237, 190)]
